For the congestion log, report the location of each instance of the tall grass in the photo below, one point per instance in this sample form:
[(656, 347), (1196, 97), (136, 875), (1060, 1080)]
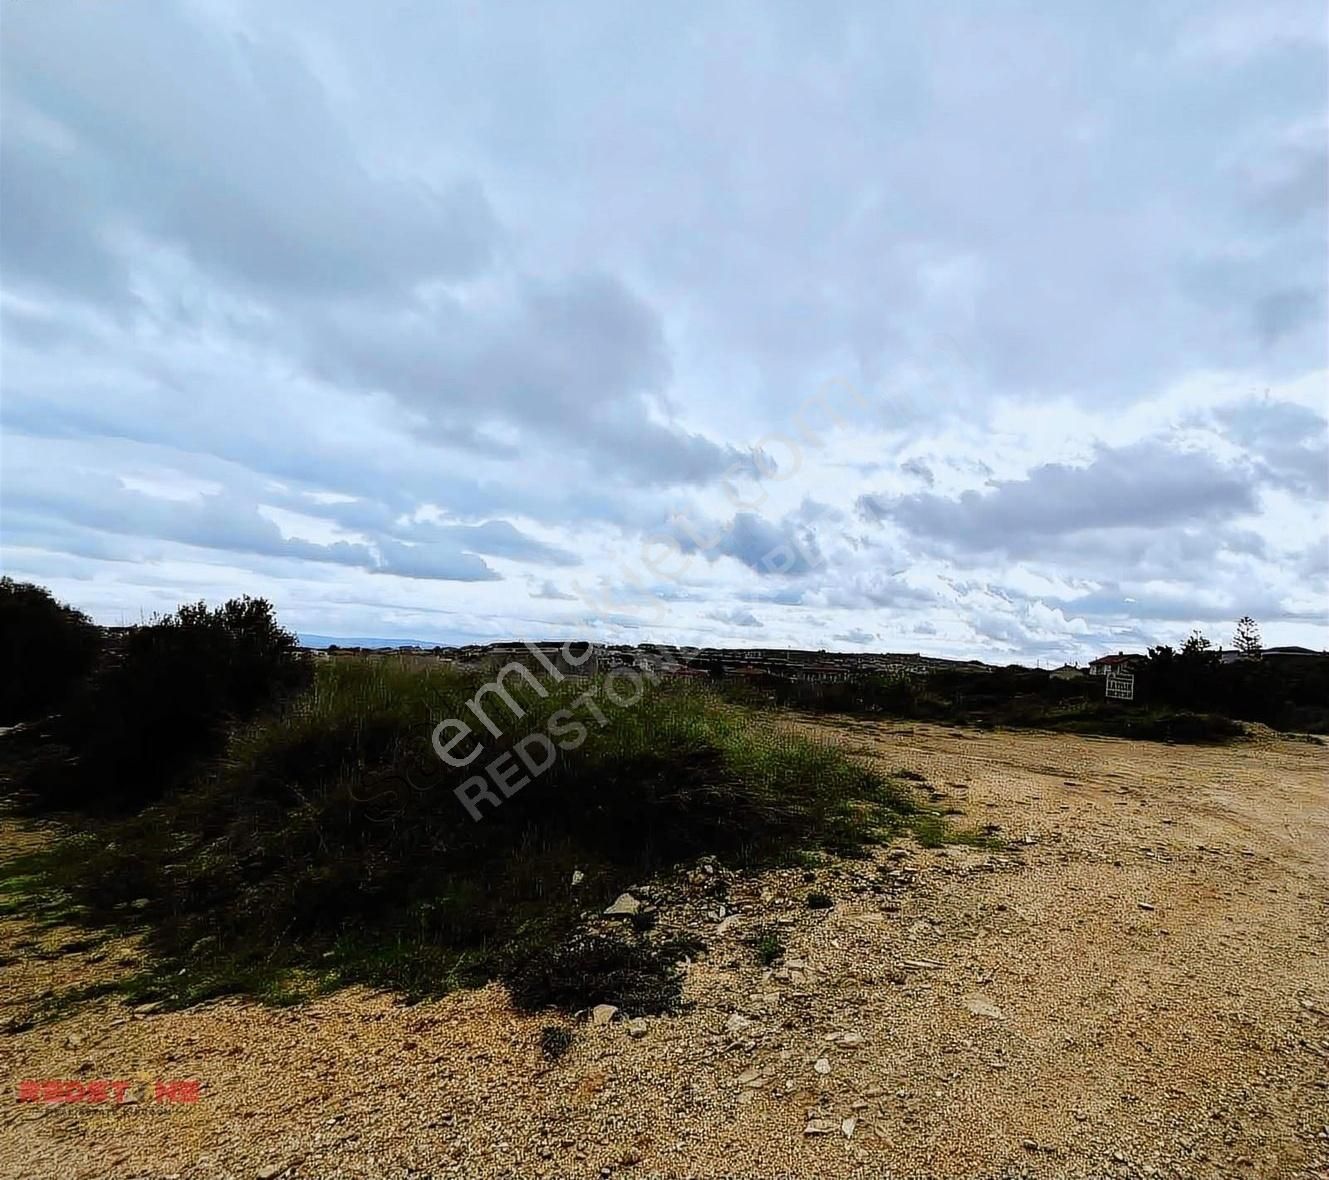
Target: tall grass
[(330, 840)]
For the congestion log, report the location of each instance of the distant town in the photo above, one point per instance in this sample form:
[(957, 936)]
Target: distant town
[(757, 664)]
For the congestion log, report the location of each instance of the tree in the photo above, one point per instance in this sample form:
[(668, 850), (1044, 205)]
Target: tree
[(143, 722), (1247, 638), (46, 649), (1198, 649), (1184, 677)]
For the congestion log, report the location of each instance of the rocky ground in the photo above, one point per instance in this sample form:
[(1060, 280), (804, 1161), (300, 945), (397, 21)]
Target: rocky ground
[(1139, 988)]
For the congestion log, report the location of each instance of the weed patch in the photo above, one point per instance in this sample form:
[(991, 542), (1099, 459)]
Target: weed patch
[(555, 1041), (768, 945)]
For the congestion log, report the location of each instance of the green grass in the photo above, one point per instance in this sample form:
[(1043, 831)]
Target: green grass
[(328, 846), (768, 945), (932, 830)]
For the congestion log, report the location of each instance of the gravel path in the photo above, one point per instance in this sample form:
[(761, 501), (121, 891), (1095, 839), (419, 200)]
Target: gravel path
[(1142, 989)]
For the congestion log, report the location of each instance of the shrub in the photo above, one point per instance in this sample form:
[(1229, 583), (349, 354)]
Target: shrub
[(46, 648), (165, 702), (333, 827), (555, 1041), (1186, 728), (592, 969)]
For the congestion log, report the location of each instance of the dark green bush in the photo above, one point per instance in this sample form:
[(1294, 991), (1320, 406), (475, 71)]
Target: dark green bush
[(768, 945), (46, 648), (165, 701), (641, 978), (1186, 728)]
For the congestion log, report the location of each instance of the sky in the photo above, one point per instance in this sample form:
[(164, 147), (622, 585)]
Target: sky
[(994, 331)]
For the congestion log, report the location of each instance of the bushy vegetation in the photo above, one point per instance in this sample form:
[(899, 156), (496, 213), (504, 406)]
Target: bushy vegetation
[(162, 702), (1182, 695), (768, 945), (328, 843), (1285, 694), (46, 649)]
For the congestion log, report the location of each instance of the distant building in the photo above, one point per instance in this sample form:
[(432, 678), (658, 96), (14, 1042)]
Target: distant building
[(1068, 672), (1293, 653), (1115, 665)]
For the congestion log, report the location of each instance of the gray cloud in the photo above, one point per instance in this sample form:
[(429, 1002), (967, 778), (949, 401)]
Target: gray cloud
[(577, 363), (224, 148), (1281, 313), (432, 562), (1141, 486), (1223, 606), (497, 538), (228, 153), (737, 617), (548, 590), (1290, 442), (857, 636), (788, 548), (38, 499), (919, 470)]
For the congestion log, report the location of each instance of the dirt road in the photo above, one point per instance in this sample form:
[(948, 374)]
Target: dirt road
[(1140, 988)]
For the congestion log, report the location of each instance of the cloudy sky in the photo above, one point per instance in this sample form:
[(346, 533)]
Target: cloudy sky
[(988, 330)]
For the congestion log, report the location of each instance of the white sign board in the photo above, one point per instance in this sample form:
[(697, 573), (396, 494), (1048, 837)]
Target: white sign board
[(1120, 686)]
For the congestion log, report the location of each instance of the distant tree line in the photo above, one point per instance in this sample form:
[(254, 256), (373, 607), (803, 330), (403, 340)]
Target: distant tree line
[(1181, 694), (1288, 693)]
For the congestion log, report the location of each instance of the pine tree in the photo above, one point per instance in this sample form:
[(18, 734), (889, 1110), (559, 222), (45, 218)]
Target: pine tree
[(1247, 638)]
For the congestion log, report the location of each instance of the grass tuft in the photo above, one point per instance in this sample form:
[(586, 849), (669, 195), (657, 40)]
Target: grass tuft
[(555, 1041), (768, 945)]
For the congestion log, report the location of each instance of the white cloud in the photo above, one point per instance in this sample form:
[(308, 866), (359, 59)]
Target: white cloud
[(425, 330)]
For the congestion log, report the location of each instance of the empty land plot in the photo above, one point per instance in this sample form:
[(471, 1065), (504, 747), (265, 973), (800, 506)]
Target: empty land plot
[(1136, 983)]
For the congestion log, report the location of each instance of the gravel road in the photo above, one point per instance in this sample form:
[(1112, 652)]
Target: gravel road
[(1139, 988)]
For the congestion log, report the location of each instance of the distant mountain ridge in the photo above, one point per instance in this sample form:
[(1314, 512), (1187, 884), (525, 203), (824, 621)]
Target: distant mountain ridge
[(310, 640)]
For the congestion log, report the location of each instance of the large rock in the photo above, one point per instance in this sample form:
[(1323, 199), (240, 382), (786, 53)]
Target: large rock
[(603, 1013), (625, 905), (981, 1005), (737, 1024)]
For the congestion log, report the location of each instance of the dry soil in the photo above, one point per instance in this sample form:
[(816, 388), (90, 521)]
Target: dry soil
[(1137, 986)]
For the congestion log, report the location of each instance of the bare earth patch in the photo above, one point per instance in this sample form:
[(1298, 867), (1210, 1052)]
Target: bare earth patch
[(1139, 987)]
